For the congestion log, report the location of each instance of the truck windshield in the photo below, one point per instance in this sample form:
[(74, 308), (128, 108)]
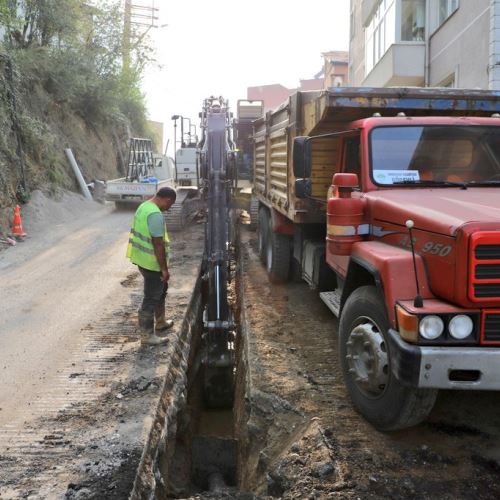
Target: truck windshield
[(435, 155)]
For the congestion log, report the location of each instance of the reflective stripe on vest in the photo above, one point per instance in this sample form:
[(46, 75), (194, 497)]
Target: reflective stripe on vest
[(140, 248)]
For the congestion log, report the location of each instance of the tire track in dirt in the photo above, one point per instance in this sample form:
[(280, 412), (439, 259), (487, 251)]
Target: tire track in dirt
[(50, 438), (293, 350)]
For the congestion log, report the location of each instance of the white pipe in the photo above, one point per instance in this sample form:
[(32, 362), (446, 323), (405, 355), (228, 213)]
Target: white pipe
[(78, 174)]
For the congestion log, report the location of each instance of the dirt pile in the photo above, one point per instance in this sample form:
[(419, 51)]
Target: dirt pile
[(43, 212), (306, 439), (47, 215)]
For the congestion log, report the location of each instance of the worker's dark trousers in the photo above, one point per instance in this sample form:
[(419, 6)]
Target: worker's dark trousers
[(155, 290)]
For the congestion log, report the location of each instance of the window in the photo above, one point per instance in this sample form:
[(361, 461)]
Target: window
[(412, 20), (380, 33), (415, 154), (336, 80), (352, 160), (446, 9)]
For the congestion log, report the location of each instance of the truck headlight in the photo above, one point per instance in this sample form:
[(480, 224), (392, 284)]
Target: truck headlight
[(431, 327), (460, 326)]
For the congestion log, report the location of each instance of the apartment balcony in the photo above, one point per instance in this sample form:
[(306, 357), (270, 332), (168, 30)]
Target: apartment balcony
[(402, 65)]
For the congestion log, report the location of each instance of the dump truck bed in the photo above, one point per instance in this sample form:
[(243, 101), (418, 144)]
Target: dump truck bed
[(321, 112)]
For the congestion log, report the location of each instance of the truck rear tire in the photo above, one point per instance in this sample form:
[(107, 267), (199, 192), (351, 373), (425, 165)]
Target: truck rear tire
[(278, 257), (263, 233), (366, 366)]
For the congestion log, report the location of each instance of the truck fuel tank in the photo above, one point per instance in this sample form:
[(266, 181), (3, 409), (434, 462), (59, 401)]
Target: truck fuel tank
[(345, 216)]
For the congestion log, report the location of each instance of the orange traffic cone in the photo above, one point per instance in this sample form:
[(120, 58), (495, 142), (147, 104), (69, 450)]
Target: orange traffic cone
[(17, 225)]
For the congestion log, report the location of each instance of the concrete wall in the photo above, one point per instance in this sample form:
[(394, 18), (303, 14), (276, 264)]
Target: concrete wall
[(461, 46), (402, 65), (494, 62), (356, 46)]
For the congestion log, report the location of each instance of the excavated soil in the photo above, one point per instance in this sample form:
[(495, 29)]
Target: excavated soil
[(305, 440)]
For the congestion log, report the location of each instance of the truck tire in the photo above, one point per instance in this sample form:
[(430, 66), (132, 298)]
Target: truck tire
[(263, 233), (366, 366), (253, 213), (278, 257)]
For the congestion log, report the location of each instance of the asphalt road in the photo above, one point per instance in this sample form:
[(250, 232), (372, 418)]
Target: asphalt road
[(77, 389), (51, 286)]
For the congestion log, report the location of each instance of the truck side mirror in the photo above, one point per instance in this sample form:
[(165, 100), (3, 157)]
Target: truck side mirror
[(303, 188), (302, 157)]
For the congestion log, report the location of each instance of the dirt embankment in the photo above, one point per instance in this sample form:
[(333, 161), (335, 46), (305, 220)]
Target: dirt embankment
[(306, 440), (35, 128)]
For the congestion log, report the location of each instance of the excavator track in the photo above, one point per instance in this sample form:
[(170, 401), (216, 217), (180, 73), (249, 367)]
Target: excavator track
[(183, 210)]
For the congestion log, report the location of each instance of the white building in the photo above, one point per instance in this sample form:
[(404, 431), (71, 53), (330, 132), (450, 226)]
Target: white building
[(453, 43)]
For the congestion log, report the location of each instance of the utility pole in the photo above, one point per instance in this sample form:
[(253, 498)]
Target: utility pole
[(127, 25), (137, 21)]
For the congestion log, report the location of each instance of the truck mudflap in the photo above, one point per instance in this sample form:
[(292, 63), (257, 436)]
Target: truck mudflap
[(438, 367)]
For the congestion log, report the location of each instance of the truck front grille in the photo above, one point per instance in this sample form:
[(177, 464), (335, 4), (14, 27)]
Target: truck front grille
[(487, 252), (487, 271), (484, 267), (491, 327), (490, 290)]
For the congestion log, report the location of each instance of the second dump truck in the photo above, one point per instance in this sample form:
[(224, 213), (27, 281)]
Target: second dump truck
[(388, 202)]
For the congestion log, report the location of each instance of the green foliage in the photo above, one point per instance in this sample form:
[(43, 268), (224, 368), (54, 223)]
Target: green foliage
[(61, 57), (75, 51)]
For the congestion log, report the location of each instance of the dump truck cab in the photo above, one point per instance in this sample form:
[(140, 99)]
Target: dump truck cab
[(404, 246)]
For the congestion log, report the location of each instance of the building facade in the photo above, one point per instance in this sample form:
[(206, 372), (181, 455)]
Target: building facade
[(335, 68), (436, 43), (334, 73)]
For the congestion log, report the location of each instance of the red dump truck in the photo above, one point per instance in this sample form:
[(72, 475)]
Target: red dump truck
[(387, 201)]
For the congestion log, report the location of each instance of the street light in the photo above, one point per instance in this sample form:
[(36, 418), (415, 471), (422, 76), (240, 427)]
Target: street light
[(175, 118)]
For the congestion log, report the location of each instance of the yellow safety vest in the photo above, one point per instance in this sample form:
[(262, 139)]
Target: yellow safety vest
[(140, 248)]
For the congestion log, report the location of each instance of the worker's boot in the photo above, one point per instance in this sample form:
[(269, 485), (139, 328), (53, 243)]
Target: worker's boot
[(162, 323), (146, 325)]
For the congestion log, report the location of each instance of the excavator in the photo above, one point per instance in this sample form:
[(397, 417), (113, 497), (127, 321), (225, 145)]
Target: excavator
[(218, 178)]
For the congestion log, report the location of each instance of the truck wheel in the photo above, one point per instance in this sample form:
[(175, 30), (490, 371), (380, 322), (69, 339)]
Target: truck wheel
[(366, 366), (254, 214), (278, 256), (263, 233)]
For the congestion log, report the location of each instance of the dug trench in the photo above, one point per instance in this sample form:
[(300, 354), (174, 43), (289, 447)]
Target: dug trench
[(292, 432), (195, 449)]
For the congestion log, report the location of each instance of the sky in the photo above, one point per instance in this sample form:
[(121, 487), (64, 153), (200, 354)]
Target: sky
[(221, 47)]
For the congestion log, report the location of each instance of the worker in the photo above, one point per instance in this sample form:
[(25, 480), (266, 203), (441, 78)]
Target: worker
[(148, 248)]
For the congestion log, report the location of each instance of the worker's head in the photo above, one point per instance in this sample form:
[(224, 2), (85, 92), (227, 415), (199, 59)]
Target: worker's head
[(165, 198)]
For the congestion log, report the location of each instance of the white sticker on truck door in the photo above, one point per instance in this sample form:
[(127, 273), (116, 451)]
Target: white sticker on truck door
[(392, 176)]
